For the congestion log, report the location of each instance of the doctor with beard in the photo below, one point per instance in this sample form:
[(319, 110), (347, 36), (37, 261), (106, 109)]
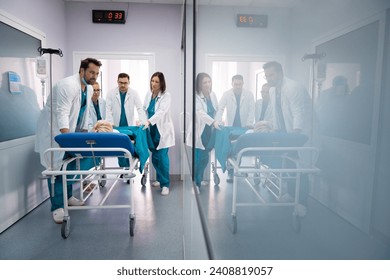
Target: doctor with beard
[(66, 110)]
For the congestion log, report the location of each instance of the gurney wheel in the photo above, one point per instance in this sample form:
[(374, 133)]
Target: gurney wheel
[(216, 179), (102, 183), (234, 223), (65, 227), (132, 225), (297, 221), (143, 180)]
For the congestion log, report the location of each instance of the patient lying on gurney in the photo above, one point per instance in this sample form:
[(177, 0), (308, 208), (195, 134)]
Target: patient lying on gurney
[(261, 126), (103, 126)]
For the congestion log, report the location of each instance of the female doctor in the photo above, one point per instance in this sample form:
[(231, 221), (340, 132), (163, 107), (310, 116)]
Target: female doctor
[(206, 105), (160, 133)]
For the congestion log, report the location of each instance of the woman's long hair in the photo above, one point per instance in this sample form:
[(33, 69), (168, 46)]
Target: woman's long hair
[(199, 80), (163, 85)]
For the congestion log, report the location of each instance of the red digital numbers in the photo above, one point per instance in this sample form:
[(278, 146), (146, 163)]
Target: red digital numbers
[(114, 15)]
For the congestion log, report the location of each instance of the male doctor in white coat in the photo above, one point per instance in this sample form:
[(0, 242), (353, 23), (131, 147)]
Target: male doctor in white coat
[(97, 108), (68, 103), (120, 105), (241, 115), (289, 100), (290, 104), (121, 102), (240, 109)]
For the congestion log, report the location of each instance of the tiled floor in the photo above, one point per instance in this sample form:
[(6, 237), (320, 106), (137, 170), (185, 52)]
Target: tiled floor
[(103, 233), (262, 232)]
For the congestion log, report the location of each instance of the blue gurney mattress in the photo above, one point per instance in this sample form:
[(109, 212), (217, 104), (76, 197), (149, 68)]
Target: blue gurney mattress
[(95, 140)]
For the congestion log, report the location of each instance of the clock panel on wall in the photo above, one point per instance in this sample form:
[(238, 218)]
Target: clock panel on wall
[(108, 16)]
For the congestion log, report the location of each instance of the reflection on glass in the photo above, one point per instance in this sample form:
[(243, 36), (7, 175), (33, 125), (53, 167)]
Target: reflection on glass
[(345, 105)]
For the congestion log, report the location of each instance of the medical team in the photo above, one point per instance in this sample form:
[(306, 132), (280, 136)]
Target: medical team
[(76, 105)]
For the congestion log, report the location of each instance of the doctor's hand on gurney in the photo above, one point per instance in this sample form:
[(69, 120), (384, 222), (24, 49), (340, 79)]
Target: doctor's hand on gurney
[(146, 125), (217, 125)]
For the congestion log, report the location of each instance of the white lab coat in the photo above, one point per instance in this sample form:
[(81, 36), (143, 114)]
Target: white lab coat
[(247, 108), (268, 112), (295, 102), (66, 100), (162, 118), (201, 119), (113, 107), (92, 112)]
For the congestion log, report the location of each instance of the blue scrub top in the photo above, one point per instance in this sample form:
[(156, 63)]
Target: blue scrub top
[(82, 108), (97, 110), (123, 120), (153, 135)]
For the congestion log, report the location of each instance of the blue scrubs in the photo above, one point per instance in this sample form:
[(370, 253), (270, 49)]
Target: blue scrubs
[(97, 110), (160, 157), (57, 201), (123, 162), (208, 139), (82, 109)]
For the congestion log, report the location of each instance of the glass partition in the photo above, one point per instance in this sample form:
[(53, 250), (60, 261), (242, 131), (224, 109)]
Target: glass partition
[(196, 242), (252, 211), (19, 86)]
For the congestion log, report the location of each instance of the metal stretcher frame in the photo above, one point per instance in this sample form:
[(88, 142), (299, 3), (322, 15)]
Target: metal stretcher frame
[(99, 171), (271, 178)]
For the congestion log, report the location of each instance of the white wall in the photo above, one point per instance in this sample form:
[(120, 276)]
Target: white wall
[(217, 33), (47, 16)]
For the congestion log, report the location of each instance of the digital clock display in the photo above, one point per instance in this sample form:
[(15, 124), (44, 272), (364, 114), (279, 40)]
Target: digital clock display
[(108, 16), (250, 20)]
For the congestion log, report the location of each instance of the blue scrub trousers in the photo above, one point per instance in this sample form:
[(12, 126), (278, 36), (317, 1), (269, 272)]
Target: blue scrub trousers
[(160, 162), (57, 200), (202, 157), (201, 160), (160, 159)]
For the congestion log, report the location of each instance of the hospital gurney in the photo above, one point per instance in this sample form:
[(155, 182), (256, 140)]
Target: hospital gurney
[(273, 160), (98, 146)]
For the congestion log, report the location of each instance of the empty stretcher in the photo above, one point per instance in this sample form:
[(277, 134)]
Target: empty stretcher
[(271, 162), (98, 146)]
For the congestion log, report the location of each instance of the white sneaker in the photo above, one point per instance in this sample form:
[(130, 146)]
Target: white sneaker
[(72, 201), (204, 183), (58, 215), (164, 191), (156, 184)]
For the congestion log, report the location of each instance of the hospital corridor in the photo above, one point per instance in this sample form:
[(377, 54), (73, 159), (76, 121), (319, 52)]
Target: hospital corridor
[(194, 130)]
